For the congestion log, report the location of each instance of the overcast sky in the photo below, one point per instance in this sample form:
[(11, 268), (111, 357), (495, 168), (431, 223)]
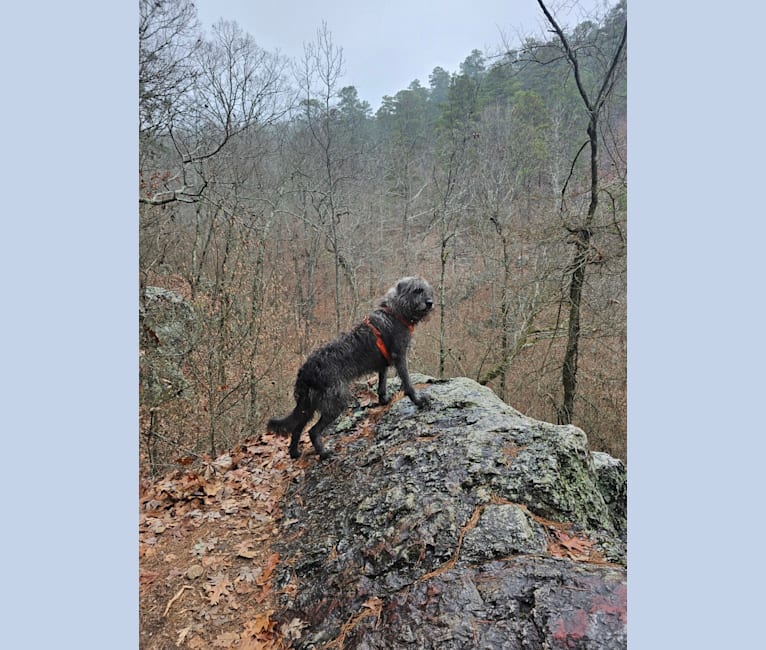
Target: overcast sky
[(388, 43)]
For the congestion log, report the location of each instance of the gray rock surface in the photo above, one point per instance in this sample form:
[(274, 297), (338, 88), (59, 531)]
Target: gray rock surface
[(166, 328), (464, 525)]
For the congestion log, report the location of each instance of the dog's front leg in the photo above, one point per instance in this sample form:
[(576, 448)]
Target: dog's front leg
[(382, 378), (419, 399)]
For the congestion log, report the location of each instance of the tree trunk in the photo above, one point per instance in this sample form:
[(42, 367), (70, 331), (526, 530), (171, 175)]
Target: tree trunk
[(569, 369), (442, 324), (565, 412)]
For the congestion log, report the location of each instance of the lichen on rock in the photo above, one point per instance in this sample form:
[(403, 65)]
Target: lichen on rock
[(471, 522)]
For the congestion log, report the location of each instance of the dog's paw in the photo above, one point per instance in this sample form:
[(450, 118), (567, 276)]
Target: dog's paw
[(422, 400), (383, 400), (325, 454), (295, 453)]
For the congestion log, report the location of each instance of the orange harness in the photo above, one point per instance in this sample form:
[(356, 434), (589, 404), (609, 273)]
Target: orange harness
[(379, 337), (378, 340)]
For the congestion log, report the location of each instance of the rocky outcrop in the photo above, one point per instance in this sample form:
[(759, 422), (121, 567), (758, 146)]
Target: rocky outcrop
[(166, 328), (464, 525)]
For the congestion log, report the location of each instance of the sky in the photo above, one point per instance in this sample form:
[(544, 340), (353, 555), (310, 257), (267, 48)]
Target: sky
[(388, 44)]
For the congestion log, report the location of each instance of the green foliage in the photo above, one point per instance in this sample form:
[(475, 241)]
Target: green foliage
[(404, 117), (460, 109), (351, 107), (473, 66), (439, 81), (531, 124), (500, 83)]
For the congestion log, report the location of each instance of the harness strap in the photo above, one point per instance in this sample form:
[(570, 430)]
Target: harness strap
[(378, 340), (408, 324)]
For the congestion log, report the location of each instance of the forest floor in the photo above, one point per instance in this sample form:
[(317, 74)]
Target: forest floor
[(205, 557)]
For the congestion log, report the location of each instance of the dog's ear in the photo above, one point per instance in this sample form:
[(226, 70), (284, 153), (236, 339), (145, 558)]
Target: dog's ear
[(389, 295), (403, 284)]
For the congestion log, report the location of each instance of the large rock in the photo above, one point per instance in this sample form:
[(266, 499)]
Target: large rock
[(465, 525), (166, 328)]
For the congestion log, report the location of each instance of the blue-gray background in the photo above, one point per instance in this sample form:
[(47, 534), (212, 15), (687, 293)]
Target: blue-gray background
[(69, 368)]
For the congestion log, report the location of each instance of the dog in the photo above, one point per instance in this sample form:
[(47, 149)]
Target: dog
[(379, 341)]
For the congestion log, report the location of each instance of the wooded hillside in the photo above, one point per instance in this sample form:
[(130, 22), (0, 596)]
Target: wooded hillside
[(279, 207)]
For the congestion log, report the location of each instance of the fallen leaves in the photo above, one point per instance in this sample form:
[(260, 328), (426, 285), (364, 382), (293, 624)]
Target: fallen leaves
[(260, 624), (216, 587), (147, 577), (226, 640), (203, 546), (248, 481), (182, 634), (293, 630), (246, 550), (573, 547), (562, 542), (205, 554), (261, 632), (268, 569), (264, 580)]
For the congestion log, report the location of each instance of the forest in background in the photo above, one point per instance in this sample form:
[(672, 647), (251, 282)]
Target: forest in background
[(280, 207)]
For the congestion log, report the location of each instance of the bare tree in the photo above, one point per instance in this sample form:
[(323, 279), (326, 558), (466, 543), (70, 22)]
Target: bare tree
[(318, 76), (204, 207), (168, 36), (234, 86), (511, 150), (448, 188), (594, 100)]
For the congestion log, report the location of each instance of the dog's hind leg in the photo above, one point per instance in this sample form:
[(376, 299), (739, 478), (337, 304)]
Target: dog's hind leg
[(330, 409), (301, 420), (295, 435), (315, 434)]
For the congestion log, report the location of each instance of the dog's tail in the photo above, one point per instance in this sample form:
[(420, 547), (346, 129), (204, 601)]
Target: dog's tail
[(305, 407), (286, 425)]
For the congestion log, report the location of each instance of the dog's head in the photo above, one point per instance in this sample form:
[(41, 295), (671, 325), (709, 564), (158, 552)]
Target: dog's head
[(412, 298)]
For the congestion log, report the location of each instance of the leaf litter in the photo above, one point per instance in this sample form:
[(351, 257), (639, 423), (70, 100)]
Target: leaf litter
[(205, 557)]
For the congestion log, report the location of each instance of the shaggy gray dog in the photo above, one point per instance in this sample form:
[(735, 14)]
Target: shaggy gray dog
[(379, 341)]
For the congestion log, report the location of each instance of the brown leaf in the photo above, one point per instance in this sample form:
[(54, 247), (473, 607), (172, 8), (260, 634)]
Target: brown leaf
[(245, 549), (260, 624), (226, 640), (242, 588), (268, 569), (231, 506), (573, 547), (374, 604), (217, 587), (264, 592), (294, 629), (147, 577), (212, 488)]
